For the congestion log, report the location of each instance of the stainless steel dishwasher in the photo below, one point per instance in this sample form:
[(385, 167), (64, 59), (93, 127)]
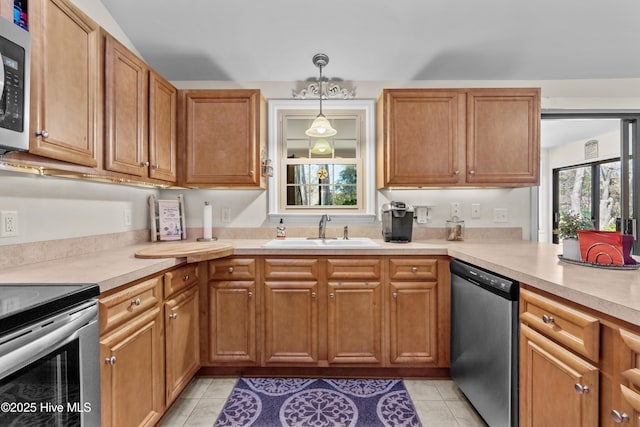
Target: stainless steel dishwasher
[(484, 341)]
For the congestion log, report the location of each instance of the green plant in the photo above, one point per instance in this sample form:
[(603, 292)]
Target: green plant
[(570, 223)]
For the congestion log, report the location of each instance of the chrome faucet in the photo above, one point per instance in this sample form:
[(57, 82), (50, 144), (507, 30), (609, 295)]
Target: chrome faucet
[(323, 226)]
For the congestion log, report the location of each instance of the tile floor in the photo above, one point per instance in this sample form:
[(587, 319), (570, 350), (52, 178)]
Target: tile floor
[(438, 402)]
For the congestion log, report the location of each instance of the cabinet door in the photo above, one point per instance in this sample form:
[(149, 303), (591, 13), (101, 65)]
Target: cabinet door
[(413, 322), (66, 101), (291, 322), (503, 141), (132, 375), (163, 98), (182, 341), (222, 137), (422, 136), (354, 323), (556, 386), (232, 322), (126, 103), (629, 388)]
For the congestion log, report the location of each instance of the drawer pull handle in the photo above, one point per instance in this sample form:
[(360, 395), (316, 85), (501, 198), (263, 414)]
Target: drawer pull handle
[(185, 277), (414, 269), (250, 294), (619, 418), (395, 295), (581, 389), (173, 316), (230, 269), (548, 319), (136, 302), (110, 360)]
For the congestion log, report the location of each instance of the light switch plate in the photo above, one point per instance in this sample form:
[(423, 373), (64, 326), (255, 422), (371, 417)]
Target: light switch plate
[(500, 215), (475, 211)]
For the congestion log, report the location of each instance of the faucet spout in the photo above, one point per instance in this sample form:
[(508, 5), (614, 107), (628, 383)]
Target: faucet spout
[(323, 226)]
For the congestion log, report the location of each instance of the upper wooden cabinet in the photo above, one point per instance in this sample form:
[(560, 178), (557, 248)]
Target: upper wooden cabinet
[(163, 128), (458, 137), (126, 104), (66, 101), (222, 135)]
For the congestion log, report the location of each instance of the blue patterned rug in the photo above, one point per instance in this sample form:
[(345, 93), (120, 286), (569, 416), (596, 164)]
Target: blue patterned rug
[(300, 402)]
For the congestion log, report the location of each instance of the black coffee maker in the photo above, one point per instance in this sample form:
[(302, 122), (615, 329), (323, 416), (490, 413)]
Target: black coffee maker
[(397, 222)]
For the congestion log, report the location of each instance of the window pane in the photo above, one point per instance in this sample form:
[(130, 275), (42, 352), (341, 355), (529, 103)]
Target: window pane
[(575, 191), (609, 208)]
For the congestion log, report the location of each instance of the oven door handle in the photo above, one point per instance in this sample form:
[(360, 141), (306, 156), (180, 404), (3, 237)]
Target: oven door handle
[(28, 350)]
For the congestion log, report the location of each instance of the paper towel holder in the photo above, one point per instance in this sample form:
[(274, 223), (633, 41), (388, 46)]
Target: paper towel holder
[(207, 214)]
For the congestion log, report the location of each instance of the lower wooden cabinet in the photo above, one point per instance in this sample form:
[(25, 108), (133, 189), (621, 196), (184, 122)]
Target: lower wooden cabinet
[(132, 374), (182, 341), (556, 386)]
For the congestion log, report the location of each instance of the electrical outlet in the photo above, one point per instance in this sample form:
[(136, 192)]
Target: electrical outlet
[(455, 209), (226, 214), (8, 223), (500, 215), (127, 217), (475, 210)]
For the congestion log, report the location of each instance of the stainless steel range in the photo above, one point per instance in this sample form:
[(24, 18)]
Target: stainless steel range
[(49, 355)]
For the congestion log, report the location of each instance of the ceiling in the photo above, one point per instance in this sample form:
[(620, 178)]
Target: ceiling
[(384, 40)]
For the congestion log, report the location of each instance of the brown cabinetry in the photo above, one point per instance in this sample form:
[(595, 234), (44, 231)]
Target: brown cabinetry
[(415, 324), (182, 340), (132, 354), (232, 302), (457, 137), (66, 101), (126, 101), (222, 136), (163, 128)]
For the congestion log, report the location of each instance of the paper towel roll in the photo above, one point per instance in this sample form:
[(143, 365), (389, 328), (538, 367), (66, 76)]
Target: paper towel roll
[(207, 217)]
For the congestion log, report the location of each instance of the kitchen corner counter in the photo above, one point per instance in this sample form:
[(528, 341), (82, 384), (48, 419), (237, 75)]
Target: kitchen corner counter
[(615, 293)]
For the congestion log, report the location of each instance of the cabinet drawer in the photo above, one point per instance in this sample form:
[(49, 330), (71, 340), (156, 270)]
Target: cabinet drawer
[(413, 269), (232, 269), (567, 326), (359, 269), (298, 268), (180, 278), (128, 303)]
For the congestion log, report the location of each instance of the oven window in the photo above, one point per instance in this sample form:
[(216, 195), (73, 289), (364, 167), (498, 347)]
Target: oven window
[(46, 392)]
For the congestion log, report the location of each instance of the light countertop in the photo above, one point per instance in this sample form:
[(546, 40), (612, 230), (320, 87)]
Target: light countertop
[(616, 293)]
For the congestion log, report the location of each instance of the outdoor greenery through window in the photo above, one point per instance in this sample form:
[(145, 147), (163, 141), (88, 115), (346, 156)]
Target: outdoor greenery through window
[(321, 173)]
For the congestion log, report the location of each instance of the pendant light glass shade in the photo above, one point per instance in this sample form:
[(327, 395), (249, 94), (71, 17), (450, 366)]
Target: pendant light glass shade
[(321, 147), (321, 127)]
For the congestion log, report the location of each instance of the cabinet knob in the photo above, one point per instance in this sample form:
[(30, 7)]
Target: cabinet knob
[(110, 360), (185, 277), (173, 316), (313, 295), (144, 164), (136, 302), (156, 166), (251, 173), (548, 319), (414, 269), (618, 417), (331, 295), (250, 294), (581, 389), (457, 172), (394, 295), (43, 133), (472, 172), (230, 270)]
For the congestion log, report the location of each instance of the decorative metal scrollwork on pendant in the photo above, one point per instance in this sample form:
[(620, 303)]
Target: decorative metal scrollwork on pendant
[(329, 90)]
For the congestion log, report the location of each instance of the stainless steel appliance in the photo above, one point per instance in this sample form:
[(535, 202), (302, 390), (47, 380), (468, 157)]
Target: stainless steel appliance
[(397, 222), (49, 355), (484, 341), (15, 50)]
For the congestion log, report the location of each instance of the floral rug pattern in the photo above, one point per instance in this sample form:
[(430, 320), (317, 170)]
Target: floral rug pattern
[(299, 402)]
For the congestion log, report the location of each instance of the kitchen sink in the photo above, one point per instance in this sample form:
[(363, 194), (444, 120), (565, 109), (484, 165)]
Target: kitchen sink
[(304, 243)]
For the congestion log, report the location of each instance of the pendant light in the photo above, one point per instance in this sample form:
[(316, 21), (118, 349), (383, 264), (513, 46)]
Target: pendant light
[(320, 126)]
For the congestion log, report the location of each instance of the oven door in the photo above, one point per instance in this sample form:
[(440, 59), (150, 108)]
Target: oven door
[(50, 372)]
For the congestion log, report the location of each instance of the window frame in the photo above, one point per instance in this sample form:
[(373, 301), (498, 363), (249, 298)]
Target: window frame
[(366, 158)]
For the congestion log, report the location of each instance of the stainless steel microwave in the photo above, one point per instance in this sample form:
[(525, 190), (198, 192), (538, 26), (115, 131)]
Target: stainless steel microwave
[(15, 49)]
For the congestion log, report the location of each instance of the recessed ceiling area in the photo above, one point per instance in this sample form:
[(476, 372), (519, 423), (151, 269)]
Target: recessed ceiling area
[(384, 40), (557, 132)]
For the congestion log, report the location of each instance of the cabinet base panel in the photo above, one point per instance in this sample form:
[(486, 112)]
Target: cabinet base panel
[(320, 372)]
